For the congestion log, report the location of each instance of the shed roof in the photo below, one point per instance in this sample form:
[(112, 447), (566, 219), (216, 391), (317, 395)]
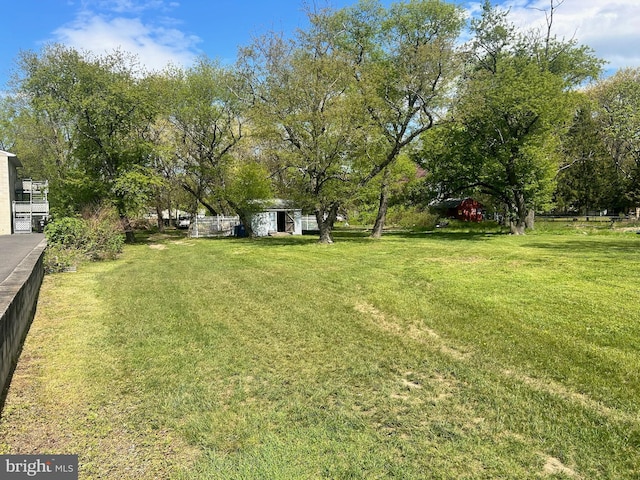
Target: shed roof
[(277, 204)]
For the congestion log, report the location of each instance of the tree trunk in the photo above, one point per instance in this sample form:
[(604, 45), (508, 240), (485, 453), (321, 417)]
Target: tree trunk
[(326, 219), (245, 219), (213, 211), (518, 216), (530, 219), (129, 234), (160, 220), (378, 227), (517, 227)]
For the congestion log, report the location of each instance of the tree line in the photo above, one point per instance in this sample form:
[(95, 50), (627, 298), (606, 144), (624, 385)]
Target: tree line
[(366, 107)]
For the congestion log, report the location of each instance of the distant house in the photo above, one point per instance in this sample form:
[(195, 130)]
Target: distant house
[(9, 164), (466, 209), (277, 216)]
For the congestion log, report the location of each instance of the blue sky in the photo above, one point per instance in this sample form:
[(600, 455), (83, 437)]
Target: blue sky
[(176, 31)]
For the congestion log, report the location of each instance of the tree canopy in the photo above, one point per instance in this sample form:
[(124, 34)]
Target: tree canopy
[(322, 117), (514, 102)]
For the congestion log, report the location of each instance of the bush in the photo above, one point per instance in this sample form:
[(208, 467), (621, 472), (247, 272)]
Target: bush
[(68, 232), (106, 238), (60, 259), (411, 218), (398, 216), (72, 240)]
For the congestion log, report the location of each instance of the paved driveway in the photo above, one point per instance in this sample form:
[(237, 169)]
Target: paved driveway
[(13, 249)]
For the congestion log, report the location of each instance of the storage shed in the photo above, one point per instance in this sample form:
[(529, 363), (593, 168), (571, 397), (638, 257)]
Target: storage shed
[(466, 209), (277, 216)]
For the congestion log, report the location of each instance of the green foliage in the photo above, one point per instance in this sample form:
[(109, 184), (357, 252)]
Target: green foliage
[(411, 218), (321, 116), (249, 184), (617, 113), (90, 120), (68, 232), (136, 187), (514, 104), (341, 101), (588, 180), (71, 240)]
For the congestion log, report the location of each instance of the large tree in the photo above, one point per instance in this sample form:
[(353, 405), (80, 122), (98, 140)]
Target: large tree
[(209, 114), (404, 61), (587, 179), (345, 97), (306, 114), (95, 114), (514, 102), (617, 114)]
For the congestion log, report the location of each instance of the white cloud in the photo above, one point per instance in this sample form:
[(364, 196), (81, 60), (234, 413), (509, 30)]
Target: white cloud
[(610, 28), (155, 44)]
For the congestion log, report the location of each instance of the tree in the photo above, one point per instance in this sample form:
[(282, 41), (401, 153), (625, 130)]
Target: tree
[(209, 117), (350, 93), (96, 113), (514, 102), (249, 190), (618, 117), (404, 61), (588, 178), (310, 125)]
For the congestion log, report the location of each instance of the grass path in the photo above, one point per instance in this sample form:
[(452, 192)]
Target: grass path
[(435, 356)]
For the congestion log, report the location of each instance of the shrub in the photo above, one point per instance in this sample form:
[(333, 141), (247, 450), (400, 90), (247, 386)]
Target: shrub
[(59, 259), (411, 218), (105, 234), (70, 240), (68, 232)]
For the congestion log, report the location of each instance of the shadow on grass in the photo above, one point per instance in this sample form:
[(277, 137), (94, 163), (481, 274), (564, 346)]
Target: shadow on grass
[(340, 235), (631, 245), (146, 237)]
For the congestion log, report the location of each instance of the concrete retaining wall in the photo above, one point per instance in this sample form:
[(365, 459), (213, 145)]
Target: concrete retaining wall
[(18, 299)]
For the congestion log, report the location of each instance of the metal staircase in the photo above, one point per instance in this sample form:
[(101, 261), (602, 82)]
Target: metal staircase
[(31, 211)]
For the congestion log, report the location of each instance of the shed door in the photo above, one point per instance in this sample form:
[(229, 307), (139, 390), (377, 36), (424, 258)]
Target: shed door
[(290, 222), (282, 223), (286, 221)]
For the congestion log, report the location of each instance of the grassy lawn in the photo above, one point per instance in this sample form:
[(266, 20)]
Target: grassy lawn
[(442, 355)]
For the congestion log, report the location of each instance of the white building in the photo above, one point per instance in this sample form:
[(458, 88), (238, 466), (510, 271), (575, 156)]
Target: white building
[(278, 216), (8, 180)]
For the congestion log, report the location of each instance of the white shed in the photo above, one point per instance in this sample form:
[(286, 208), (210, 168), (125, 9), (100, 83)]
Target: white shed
[(278, 216)]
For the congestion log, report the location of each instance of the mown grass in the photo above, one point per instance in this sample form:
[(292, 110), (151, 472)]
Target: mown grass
[(441, 355)]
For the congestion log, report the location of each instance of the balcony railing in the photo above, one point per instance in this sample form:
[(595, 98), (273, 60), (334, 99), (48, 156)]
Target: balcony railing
[(31, 207)]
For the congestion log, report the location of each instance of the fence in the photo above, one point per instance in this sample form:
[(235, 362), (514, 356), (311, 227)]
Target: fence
[(217, 226), (309, 223)]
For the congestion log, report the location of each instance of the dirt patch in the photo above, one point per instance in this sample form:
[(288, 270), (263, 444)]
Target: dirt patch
[(414, 331), (410, 385), (157, 246), (559, 390), (553, 466), (158, 237)]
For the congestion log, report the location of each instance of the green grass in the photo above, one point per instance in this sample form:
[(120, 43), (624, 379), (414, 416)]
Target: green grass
[(441, 355)]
